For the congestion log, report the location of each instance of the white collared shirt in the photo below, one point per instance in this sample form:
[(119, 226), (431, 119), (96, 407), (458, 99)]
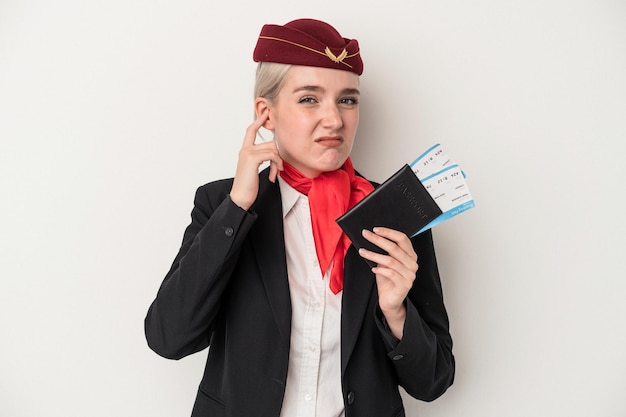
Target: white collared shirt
[(314, 377)]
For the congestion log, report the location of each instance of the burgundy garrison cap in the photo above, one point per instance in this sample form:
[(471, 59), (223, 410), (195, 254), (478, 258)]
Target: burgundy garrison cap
[(308, 42)]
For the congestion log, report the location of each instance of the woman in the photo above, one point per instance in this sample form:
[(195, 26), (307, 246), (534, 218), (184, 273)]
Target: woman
[(296, 321)]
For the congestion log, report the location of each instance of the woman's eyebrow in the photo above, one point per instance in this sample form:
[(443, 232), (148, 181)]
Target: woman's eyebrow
[(318, 88), (308, 88)]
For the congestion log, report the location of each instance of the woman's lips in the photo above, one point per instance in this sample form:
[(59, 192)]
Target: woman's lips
[(330, 140)]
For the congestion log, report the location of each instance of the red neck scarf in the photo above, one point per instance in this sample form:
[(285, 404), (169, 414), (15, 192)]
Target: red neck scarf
[(330, 194)]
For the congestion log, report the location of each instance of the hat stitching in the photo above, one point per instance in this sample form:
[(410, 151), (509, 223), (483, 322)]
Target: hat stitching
[(327, 53)]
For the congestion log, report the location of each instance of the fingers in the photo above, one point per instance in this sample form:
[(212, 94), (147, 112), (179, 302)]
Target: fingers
[(401, 239), (262, 152), (395, 271), (400, 260), (397, 245), (274, 169), (252, 130), (251, 155)]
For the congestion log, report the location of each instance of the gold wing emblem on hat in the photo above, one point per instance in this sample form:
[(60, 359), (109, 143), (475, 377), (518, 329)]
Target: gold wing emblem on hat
[(335, 58)]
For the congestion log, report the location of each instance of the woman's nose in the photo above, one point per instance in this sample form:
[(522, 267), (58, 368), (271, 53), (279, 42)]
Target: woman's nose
[(332, 117)]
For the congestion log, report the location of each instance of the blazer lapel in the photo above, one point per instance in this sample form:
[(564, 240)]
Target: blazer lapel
[(357, 289), (269, 248)]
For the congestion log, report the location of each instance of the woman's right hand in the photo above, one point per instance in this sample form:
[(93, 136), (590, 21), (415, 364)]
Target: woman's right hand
[(251, 156)]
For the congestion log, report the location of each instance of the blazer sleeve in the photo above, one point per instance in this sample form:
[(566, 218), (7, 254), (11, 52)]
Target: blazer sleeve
[(180, 319), (423, 359)]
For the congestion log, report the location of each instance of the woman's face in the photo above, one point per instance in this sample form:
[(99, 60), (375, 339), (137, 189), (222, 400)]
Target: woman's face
[(315, 118)]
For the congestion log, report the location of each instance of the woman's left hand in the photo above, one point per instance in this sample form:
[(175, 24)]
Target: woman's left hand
[(395, 273)]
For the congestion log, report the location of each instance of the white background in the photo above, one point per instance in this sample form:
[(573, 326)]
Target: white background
[(113, 112)]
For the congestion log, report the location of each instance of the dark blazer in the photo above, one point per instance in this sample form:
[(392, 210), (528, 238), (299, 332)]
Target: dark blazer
[(228, 289)]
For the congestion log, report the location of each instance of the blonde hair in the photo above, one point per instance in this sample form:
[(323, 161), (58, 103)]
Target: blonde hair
[(270, 77)]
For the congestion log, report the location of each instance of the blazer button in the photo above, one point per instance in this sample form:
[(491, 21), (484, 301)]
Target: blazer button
[(350, 398), (228, 231), (397, 357)]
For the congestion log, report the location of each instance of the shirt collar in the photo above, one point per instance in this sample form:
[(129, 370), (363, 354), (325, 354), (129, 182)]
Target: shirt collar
[(289, 196)]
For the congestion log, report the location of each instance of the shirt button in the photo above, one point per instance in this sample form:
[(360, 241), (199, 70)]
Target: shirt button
[(228, 231), (308, 397), (350, 398)]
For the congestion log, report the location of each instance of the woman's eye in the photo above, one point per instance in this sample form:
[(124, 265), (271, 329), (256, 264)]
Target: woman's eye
[(349, 100), (307, 100)]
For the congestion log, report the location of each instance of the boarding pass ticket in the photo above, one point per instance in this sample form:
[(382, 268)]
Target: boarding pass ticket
[(445, 182)]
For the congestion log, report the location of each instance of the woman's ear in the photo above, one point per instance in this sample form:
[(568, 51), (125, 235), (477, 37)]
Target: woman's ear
[(262, 105)]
